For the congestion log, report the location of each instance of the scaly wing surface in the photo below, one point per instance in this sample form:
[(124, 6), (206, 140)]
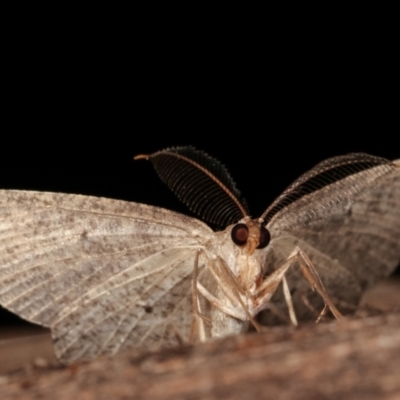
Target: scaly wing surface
[(345, 214), (102, 274)]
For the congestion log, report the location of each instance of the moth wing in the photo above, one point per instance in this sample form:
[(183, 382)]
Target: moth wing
[(102, 274), (351, 234)]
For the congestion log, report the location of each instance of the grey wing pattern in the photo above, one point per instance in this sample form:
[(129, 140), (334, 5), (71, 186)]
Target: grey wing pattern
[(102, 274), (350, 229)]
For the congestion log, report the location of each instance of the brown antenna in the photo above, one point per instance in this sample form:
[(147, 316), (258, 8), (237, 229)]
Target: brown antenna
[(201, 182)]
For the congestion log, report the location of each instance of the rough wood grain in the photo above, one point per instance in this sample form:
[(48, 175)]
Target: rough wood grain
[(352, 359)]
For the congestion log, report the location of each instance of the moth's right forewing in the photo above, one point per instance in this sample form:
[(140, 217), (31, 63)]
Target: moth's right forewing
[(95, 270)]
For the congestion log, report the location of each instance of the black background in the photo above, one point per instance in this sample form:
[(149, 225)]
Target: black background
[(75, 114)]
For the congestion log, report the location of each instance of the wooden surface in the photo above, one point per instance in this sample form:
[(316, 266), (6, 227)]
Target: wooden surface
[(354, 358)]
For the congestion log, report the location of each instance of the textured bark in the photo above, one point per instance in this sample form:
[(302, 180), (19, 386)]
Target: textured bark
[(354, 358)]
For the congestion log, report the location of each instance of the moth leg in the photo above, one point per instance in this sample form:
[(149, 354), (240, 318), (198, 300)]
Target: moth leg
[(270, 284), (309, 305), (268, 287), (229, 310), (197, 328), (277, 312), (289, 302), (232, 290), (313, 310), (313, 278)]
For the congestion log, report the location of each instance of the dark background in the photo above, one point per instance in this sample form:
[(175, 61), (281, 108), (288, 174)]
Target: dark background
[(76, 111)]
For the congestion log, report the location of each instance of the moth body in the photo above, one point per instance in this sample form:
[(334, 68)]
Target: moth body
[(106, 275), (241, 290)]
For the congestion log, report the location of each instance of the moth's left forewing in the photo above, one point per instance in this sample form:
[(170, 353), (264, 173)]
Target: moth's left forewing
[(375, 226), (102, 274), (350, 229)]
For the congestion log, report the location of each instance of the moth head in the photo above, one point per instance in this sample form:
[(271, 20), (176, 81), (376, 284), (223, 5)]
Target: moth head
[(251, 235)]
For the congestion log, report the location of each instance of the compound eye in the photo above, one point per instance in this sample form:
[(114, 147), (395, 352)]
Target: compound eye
[(265, 238), (240, 234)]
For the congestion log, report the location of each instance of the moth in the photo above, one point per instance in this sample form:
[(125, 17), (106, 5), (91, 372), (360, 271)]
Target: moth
[(106, 275)]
